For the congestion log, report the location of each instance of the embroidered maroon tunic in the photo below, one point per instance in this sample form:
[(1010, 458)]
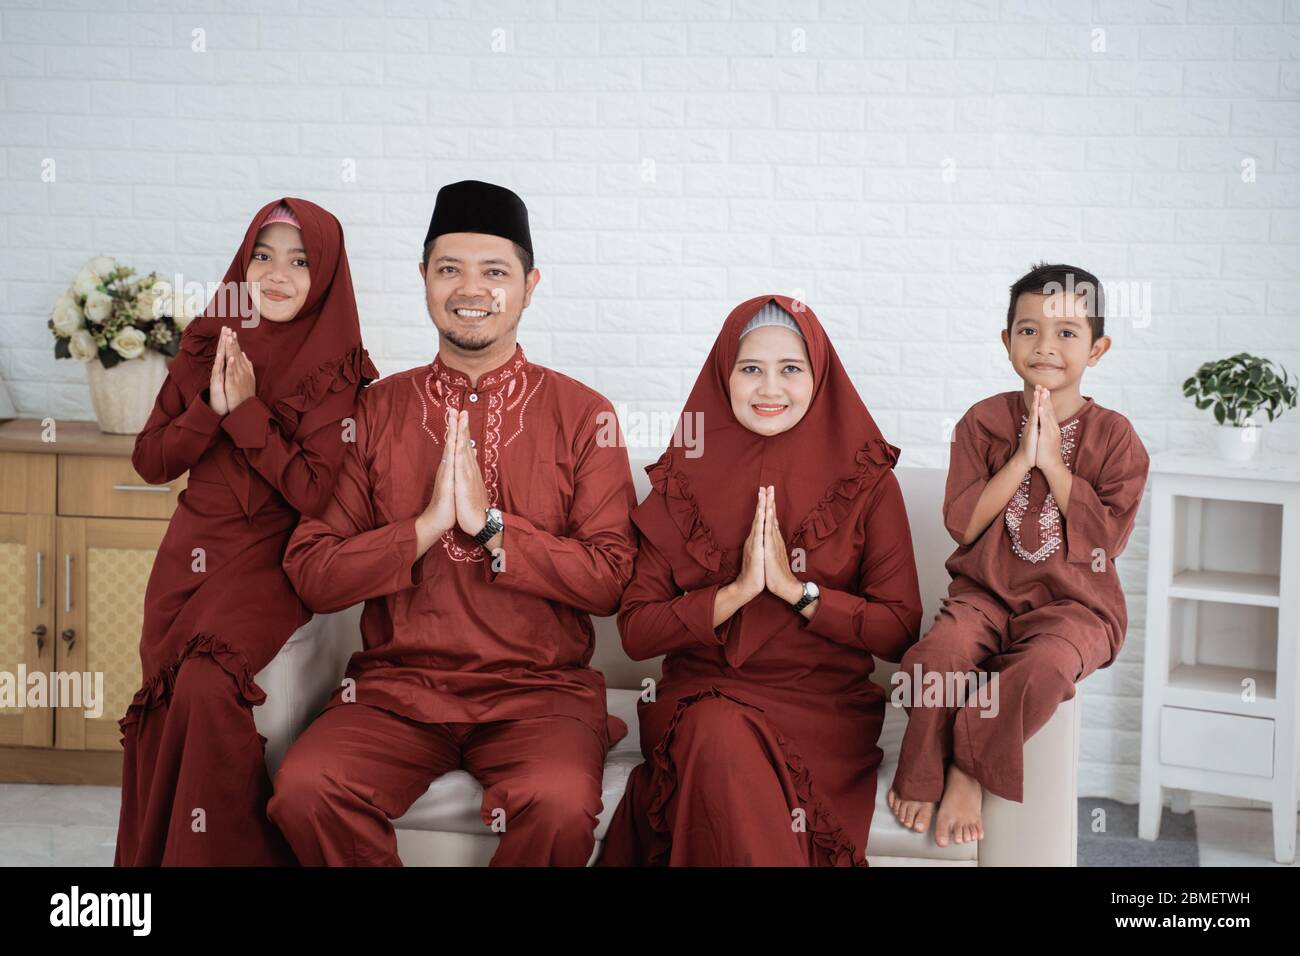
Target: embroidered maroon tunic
[(447, 638), (1035, 598), (1034, 556), (466, 663)]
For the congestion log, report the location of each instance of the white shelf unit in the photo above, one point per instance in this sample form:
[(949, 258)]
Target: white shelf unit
[(1221, 674)]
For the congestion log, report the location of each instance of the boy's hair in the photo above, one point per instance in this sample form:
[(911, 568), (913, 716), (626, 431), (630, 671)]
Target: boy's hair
[(1045, 278), (524, 255)]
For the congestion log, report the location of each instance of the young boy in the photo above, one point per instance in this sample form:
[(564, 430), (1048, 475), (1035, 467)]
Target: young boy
[(1043, 488)]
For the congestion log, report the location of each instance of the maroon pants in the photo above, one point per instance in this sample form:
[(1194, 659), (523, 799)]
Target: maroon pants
[(357, 768), (194, 780), (1038, 657)]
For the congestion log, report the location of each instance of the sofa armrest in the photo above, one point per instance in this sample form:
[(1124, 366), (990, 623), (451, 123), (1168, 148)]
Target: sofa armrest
[(301, 677), (1043, 830)]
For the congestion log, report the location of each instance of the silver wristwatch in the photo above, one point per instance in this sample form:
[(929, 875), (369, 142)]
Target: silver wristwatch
[(494, 524), (810, 593)]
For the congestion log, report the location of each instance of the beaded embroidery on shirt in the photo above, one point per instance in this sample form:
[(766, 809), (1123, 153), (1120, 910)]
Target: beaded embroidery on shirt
[(1049, 519), (508, 392)]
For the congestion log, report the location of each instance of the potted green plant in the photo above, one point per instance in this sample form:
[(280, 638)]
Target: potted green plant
[(1238, 387)]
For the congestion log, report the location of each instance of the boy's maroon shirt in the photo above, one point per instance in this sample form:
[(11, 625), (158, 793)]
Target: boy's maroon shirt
[(1032, 555)]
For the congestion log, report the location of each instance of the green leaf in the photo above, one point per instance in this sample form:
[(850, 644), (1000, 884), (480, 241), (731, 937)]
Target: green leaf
[(62, 349), (1220, 413)]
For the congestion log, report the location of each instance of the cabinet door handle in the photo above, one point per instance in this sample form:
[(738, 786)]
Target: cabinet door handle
[(70, 637), (163, 488), (67, 583), (39, 632), (40, 565)]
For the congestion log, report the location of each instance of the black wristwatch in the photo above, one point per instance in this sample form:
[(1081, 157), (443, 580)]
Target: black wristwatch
[(810, 593), (494, 524)]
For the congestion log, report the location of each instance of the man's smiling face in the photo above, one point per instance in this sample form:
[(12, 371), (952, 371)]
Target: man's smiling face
[(475, 288)]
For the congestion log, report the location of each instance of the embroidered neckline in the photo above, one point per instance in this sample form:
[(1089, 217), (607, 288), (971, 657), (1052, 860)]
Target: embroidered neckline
[(453, 378), (504, 396), (1049, 518)]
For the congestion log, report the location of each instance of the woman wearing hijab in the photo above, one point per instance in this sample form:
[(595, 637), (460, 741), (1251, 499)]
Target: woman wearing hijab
[(774, 567), (256, 407)]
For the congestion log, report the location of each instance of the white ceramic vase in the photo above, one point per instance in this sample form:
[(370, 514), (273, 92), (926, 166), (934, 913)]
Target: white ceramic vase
[(1237, 444), (123, 395)]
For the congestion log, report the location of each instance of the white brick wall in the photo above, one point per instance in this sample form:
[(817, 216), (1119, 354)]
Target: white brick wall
[(794, 146)]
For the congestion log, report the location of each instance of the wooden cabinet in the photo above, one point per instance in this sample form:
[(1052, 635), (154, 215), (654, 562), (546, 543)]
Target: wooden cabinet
[(78, 533), (27, 610)]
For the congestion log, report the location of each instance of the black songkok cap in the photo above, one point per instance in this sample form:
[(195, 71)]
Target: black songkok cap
[(472, 206)]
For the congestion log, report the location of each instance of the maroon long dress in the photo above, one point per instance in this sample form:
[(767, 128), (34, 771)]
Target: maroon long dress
[(760, 742), (218, 605)]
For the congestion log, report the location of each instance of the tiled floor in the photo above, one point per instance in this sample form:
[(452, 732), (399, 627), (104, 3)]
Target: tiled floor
[(57, 825), (1229, 837), (49, 825)]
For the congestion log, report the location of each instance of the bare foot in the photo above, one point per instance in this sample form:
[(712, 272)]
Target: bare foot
[(959, 810), (913, 814)]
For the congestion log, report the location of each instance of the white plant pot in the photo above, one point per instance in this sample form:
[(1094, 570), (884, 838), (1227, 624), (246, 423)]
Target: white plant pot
[(1237, 444), (123, 395)]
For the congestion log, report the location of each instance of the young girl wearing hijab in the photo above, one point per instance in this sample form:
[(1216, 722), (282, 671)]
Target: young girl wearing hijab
[(256, 407), (760, 740)]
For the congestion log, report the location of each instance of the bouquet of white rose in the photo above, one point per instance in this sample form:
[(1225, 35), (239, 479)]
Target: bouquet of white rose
[(108, 315)]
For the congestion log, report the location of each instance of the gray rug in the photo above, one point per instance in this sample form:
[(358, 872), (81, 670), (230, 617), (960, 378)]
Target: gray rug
[(1118, 843)]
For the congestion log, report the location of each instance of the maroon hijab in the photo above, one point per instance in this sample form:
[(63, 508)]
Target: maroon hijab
[(700, 509), (309, 369)]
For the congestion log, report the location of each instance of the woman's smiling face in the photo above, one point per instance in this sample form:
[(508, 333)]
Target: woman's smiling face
[(771, 382), (278, 272)]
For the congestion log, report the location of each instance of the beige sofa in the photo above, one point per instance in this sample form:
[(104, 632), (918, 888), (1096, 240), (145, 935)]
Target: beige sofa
[(443, 827)]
